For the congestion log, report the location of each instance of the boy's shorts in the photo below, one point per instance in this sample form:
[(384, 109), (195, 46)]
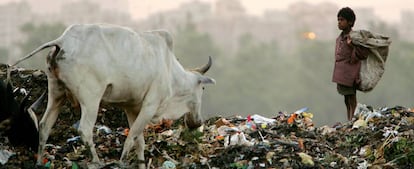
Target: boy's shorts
[(345, 90)]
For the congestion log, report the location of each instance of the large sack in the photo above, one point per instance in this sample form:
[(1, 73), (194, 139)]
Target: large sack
[(373, 67)]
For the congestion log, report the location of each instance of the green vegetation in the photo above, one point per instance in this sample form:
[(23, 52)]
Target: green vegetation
[(401, 152)]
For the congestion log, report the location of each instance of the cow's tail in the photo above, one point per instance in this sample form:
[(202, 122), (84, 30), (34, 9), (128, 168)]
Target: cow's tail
[(40, 48)]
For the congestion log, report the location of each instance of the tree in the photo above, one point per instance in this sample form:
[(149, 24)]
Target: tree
[(193, 47)]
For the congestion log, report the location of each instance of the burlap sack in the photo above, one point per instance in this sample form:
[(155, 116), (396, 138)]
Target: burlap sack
[(373, 67)]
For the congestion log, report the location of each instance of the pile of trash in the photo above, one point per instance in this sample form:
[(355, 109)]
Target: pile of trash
[(377, 138)]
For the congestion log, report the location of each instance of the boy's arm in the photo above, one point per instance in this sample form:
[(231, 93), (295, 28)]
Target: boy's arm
[(361, 52)]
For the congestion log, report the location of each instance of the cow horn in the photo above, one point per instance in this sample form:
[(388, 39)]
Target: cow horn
[(205, 68), (38, 102), (5, 124), (31, 110)]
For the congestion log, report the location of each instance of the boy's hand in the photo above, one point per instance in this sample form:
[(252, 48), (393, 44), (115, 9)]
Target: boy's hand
[(348, 40)]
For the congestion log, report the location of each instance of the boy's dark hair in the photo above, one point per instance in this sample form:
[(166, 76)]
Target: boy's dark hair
[(348, 14)]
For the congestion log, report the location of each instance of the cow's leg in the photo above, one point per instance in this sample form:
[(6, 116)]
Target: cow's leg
[(139, 149), (131, 116), (132, 113), (136, 136), (89, 102), (55, 97)]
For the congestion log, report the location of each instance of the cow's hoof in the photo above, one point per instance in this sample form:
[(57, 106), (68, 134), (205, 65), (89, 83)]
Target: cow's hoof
[(95, 165), (135, 166), (113, 164)]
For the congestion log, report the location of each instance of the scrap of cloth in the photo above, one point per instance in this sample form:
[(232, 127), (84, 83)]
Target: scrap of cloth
[(373, 67)]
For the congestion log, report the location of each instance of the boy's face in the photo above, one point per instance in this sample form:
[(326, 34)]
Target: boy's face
[(343, 24)]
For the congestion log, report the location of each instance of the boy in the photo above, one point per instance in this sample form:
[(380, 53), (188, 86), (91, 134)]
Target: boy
[(347, 61)]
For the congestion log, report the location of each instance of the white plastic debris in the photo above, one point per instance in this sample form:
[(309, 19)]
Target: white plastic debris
[(226, 130), (363, 165), (236, 139), (301, 110), (67, 161), (73, 139), (372, 115), (233, 136), (262, 120), (23, 91), (203, 160), (37, 73), (388, 131), (5, 155), (76, 125), (103, 129), (363, 112), (167, 133), (168, 165), (326, 130)]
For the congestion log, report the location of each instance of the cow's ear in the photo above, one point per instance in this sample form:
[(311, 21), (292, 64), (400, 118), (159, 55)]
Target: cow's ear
[(206, 80)]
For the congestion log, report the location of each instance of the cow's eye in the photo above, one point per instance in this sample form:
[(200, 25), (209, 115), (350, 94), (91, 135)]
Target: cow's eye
[(203, 88)]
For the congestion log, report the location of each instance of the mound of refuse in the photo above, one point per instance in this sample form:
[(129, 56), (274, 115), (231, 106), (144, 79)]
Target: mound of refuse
[(377, 138)]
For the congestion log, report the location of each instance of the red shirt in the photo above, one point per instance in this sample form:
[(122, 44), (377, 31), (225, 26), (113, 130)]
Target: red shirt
[(347, 62)]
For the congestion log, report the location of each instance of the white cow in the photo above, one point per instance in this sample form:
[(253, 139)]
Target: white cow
[(135, 71)]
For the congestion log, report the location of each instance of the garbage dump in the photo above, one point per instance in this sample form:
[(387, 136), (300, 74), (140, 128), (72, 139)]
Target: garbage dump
[(377, 138)]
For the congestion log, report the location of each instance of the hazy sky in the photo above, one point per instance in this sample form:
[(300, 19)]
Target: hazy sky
[(388, 10)]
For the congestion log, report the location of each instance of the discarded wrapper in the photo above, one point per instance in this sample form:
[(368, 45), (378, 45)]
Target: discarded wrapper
[(5, 155)]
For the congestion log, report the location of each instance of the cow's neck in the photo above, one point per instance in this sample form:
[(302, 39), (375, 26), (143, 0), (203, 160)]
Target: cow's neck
[(181, 79)]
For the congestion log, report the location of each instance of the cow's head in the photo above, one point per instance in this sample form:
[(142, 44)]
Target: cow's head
[(18, 124), (8, 105), (193, 117)]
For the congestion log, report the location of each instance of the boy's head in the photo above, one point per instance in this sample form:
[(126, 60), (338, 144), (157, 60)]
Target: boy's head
[(348, 14)]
